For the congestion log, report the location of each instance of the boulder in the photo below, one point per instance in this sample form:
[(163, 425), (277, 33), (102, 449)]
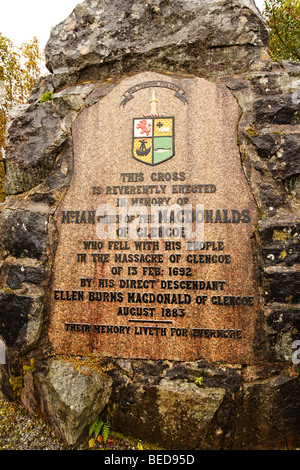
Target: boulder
[(72, 396), (105, 38)]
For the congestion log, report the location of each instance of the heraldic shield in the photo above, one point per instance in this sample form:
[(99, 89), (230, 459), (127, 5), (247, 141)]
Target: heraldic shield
[(153, 139)]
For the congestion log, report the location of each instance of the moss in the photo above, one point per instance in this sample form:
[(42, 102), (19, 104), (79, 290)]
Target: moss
[(282, 254), (46, 96), (8, 290), (280, 235), (83, 363), (252, 131), (16, 383)]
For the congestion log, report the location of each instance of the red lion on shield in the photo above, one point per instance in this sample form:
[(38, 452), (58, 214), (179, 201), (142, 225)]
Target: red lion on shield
[(145, 127)]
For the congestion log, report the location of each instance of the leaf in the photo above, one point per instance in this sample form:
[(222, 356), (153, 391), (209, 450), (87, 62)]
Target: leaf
[(283, 21), (198, 380), (19, 68), (140, 447), (92, 442), (98, 428), (105, 432), (93, 427), (100, 438)]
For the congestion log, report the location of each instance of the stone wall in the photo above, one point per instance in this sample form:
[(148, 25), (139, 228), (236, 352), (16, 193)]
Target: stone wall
[(238, 406)]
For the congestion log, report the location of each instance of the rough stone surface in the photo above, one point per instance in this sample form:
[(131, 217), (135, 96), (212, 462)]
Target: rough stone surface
[(38, 134), (269, 415), (205, 132), (18, 274), (163, 398), (30, 158), (24, 233), (195, 405), (72, 398), (21, 319), (196, 37), (15, 310), (249, 406)]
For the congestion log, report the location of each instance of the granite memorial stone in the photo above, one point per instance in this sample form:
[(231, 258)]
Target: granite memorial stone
[(154, 253), (149, 241)]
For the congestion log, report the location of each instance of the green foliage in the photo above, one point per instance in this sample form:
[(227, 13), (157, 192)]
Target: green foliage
[(110, 412), (19, 68), (99, 429), (29, 368), (198, 381), (95, 427), (95, 430), (16, 383), (105, 432), (283, 20), (46, 96)]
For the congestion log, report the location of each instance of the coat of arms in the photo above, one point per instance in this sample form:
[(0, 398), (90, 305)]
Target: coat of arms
[(153, 136)]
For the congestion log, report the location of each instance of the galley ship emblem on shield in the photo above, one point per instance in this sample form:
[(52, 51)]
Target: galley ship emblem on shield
[(153, 136)]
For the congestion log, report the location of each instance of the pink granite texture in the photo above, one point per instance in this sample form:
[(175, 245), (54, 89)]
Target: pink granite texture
[(217, 319)]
